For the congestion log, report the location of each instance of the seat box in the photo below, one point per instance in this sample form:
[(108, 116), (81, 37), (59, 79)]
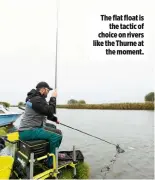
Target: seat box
[(38, 147)]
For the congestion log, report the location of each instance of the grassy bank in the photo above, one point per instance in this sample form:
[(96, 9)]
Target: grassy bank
[(114, 106)]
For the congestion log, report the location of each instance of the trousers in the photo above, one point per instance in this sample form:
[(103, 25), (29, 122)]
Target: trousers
[(53, 138)]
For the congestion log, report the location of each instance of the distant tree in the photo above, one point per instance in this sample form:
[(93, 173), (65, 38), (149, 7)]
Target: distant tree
[(21, 104), (81, 102), (150, 97), (6, 104), (72, 101)]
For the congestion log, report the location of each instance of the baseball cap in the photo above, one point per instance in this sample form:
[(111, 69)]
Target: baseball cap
[(43, 85)]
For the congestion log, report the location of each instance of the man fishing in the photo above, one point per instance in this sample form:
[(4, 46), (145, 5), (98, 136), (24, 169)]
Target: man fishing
[(36, 112)]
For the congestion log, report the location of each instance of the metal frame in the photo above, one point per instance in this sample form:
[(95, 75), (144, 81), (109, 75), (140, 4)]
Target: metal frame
[(53, 171), (74, 160)]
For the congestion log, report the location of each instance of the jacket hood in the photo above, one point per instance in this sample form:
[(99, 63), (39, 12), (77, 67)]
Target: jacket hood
[(31, 94)]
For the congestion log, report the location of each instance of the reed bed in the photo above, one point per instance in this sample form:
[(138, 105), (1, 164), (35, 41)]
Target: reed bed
[(112, 106)]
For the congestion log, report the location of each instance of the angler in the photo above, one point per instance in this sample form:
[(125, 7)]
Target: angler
[(37, 109)]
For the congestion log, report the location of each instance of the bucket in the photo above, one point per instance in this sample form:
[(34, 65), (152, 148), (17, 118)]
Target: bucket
[(6, 164)]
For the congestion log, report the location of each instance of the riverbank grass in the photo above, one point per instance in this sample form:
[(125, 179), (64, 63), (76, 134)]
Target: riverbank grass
[(110, 106)]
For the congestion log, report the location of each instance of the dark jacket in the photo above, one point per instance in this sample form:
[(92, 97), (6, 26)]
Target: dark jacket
[(37, 110)]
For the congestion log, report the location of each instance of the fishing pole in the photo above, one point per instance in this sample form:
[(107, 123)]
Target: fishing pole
[(56, 59), (56, 54)]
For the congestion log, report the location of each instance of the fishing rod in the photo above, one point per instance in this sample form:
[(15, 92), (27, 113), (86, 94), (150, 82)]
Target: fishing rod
[(119, 150), (56, 59), (56, 54)]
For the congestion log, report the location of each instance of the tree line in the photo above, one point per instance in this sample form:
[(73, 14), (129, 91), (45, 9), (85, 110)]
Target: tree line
[(149, 97), (73, 101)]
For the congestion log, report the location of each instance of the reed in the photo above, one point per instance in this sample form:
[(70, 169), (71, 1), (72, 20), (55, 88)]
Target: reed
[(112, 106)]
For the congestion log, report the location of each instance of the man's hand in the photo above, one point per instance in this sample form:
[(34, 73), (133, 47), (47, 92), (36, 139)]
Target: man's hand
[(58, 122), (54, 93)]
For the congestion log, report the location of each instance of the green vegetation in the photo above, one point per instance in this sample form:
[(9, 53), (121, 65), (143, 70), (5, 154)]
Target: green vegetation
[(81, 102), (21, 104), (116, 106), (6, 104), (149, 97), (73, 101), (83, 172), (3, 131)]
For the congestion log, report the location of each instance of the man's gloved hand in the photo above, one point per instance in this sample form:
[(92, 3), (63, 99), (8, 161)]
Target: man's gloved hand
[(54, 119)]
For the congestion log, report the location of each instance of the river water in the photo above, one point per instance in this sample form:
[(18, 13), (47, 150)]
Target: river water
[(133, 130)]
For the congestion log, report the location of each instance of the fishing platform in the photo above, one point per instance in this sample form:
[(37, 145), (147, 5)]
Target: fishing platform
[(29, 159)]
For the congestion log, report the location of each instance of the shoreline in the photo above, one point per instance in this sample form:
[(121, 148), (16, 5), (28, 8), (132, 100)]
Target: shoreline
[(108, 106)]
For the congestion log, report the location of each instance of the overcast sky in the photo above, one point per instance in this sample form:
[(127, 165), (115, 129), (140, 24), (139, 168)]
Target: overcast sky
[(28, 43)]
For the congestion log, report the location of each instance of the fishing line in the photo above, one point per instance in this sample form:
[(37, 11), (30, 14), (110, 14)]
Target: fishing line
[(119, 150), (106, 169), (137, 170)]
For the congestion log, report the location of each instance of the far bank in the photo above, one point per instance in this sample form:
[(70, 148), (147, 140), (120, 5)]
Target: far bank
[(111, 106)]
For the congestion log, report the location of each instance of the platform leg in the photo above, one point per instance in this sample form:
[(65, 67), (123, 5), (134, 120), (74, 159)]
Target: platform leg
[(31, 165), (74, 160), (56, 156), (13, 150)]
